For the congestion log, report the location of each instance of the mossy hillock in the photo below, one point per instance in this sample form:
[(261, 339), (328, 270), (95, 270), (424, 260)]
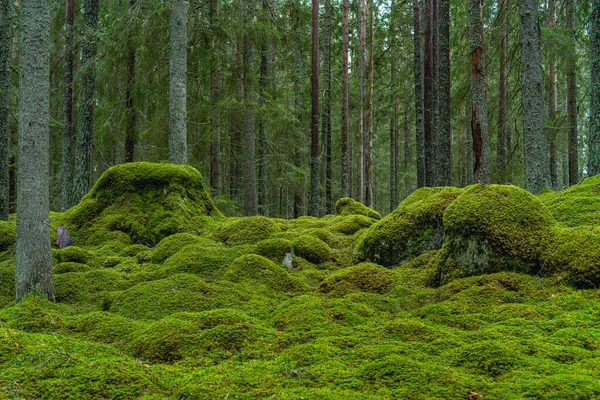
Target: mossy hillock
[(483, 291)]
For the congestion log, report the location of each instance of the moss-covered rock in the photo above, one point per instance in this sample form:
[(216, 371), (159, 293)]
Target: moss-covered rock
[(312, 249), (8, 235), (33, 314), (349, 225), (415, 227), (576, 206), (103, 327), (200, 260), (247, 230), (75, 287), (65, 267), (253, 268), (146, 201), (489, 357), (348, 206), (135, 250), (492, 228), (274, 249), (172, 244), (364, 277), (75, 254)]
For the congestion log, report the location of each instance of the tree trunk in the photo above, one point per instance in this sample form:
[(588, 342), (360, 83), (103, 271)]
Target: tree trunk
[(250, 203), (298, 159), (327, 107), (215, 91), (369, 150), (594, 135), (428, 95), (6, 13), (33, 258), (572, 95), (443, 142), (345, 155), (537, 176), (419, 104), (314, 131), (479, 123), (130, 135), (262, 139), (235, 132), (178, 83), (552, 106), (84, 149), (362, 62), (501, 148), (393, 129)]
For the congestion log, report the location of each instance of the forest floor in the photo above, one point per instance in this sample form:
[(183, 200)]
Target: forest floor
[(486, 292)]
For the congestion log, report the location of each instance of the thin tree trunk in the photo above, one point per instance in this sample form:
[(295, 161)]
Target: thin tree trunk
[(130, 135), (537, 176), (177, 84), (428, 95), (362, 61), (33, 258), (327, 107), (262, 139), (393, 129), (572, 95), (298, 187), (345, 156), (369, 151), (83, 175), (419, 104), (235, 132), (501, 148), (215, 91), (430, 160), (552, 106), (443, 143), (6, 13), (250, 201), (594, 135), (479, 123), (314, 131)]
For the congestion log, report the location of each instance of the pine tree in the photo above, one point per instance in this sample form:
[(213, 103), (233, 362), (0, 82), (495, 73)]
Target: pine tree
[(418, 85), (6, 12), (177, 83), (572, 95), (345, 173), (501, 145), (327, 106), (130, 134), (594, 134), (314, 131), (443, 140), (250, 200)]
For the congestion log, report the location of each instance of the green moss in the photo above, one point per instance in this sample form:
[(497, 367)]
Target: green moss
[(493, 228), (322, 234), (247, 230), (274, 249), (8, 235), (75, 254), (365, 277), (103, 327), (350, 224), (172, 244), (489, 357), (348, 206), (415, 227), (199, 259), (579, 205), (312, 249), (134, 250), (146, 201), (75, 287), (65, 267), (254, 268), (33, 314), (410, 330)]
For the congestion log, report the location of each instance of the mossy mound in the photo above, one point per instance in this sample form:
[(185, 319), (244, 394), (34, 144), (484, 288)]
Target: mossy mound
[(146, 201), (65, 267), (75, 287), (349, 225), (576, 206), (74, 254), (274, 249), (364, 277), (415, 227), (253, 268), (8, 235), (247, 230), (104, 327), (199, 259), (174, 243), (492, 228), (348, 206), (489, 357), (33, 314), (312, 249)]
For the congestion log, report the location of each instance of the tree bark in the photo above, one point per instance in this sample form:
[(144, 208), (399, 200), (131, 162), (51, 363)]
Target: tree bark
[(419, 104), (594, 134), (262, 138), (537, 176), (428, 95), (6, 13), (572, 95), (393, 129), (345, 156), (362, 61), (130, 134), (443, 142), (84, 149), (215, 92), (298, 159), (501, 148), (250, 201), (33, 258), (479, 123), (178, 84), (327, 106), (552, 106), (235, 132), (314, 131), (369, 150)]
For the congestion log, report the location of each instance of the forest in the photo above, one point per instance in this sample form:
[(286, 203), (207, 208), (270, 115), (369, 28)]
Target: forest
[(300, 200)]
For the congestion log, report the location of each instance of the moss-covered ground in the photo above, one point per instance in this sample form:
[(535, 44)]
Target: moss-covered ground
[(484, 292)]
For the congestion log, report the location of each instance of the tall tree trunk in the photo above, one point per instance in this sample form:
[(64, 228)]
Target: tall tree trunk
[(235, 132), (479, 123), (572, 95), (393, 128), (594, 135), (33, 258), (6, 13), (537, 176), (327, 107), (419, 104), (369, 150), (178, 83), (345, 156), (84, 149), (298, 187), (430, 159), (130, 135), (215, 91), (66, 170), (262, 138), (314, 131), (250, 201), (501, 148), (362, 92), (428, 95), (443, 142), (552, 106)]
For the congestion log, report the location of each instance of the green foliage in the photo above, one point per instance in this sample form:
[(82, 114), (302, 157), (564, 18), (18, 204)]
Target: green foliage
[(312, 249), (347, 206)]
